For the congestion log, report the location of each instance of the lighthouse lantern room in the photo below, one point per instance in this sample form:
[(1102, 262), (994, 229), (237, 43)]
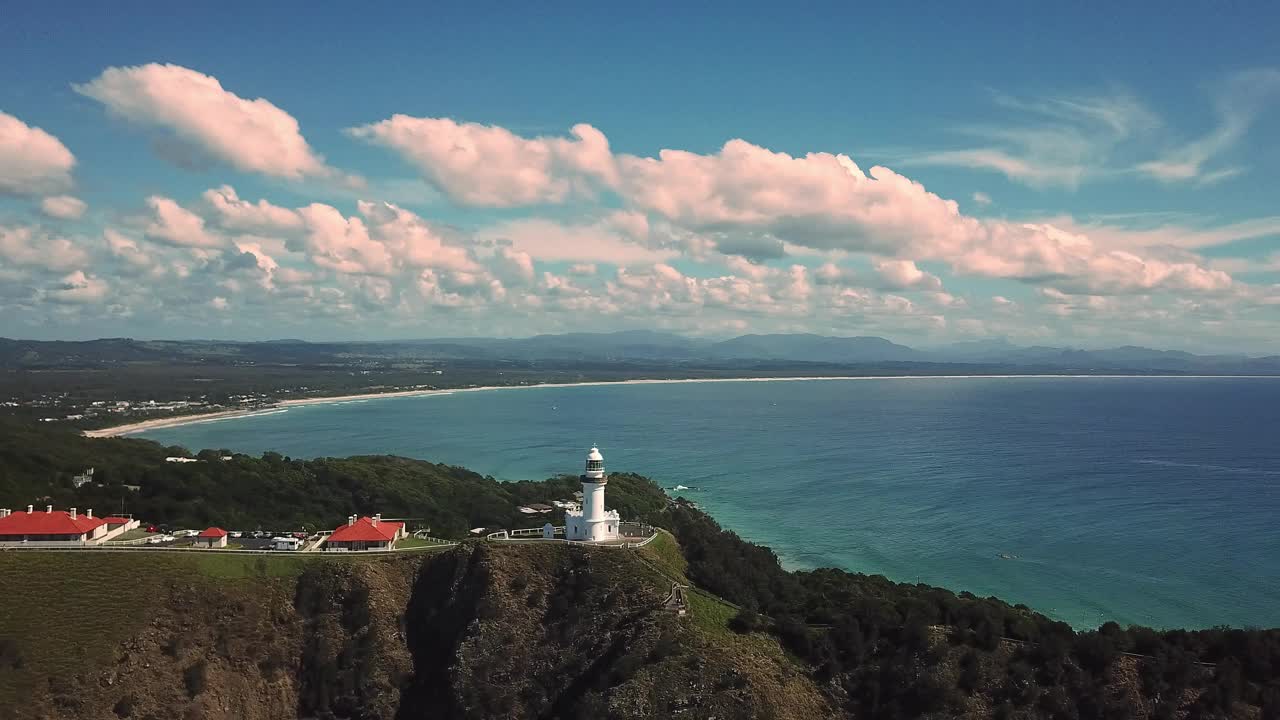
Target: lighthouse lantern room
[(592, 523)]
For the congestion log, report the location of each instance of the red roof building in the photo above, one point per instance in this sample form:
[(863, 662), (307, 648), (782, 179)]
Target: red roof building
[(51, 526), (213, 537), (366, 533), (117, 525)]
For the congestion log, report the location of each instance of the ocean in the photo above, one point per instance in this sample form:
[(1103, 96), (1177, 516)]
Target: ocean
[(1140, 500)]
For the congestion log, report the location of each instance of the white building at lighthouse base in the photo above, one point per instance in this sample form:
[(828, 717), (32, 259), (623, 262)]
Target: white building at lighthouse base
[(577, 527), (592, 523)]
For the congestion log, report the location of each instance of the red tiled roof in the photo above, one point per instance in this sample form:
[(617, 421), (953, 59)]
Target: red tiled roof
[(58, 522), (365, 531), (113, 520), (213, 532)]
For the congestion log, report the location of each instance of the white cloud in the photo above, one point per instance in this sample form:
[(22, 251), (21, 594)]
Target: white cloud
[(173, 224), (78, 288), (413, 241), (513, 266), (232, 213), (591, 243), (342, 244), (904, 275), (749, 200), (251, 135), (488, 165), (125, 248), (63, 207), (383, 240), (27, 246), (32, 162)]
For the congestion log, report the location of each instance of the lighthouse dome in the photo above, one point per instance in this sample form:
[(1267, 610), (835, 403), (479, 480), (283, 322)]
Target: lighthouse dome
[(595, 465)]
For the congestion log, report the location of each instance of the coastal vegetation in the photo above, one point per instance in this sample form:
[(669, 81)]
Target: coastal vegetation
[(273, 492), (864, 645)]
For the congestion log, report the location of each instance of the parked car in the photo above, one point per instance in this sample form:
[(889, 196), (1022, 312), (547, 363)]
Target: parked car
[(236, 534), (152, 528)]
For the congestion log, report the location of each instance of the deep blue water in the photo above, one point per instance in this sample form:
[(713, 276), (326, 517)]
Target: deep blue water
[(1147, 500)]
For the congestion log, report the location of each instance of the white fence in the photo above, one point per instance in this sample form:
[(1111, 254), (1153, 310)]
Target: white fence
[(44, 544), (644, 534)]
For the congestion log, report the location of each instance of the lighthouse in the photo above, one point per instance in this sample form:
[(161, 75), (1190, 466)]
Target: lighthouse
[(592, 523)]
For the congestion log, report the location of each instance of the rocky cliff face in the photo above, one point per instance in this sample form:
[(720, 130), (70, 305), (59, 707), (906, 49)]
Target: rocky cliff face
[(476, 632)]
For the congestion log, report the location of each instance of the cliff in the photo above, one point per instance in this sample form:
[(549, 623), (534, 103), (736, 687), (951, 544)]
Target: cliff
[(519, 631)]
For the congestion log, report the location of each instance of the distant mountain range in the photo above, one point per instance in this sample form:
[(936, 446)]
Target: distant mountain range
[(638, 346)]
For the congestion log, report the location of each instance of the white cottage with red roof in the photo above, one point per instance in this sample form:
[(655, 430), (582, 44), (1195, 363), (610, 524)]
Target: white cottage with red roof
[(213, 537), (366, 533), (51, 527)]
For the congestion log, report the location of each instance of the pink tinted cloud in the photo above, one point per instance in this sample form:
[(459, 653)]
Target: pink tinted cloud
[(32, 162), (63, 207), (488, 165), (27, 246), (172, 224), (251, 135), (232, 213)]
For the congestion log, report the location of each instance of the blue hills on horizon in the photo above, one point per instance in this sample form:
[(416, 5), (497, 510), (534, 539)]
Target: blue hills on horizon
[(649, 346)]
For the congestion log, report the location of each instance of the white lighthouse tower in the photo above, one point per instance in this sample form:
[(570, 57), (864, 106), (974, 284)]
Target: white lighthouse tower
[(592, 523)]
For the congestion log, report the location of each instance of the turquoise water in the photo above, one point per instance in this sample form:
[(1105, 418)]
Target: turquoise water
[(1146, 500)]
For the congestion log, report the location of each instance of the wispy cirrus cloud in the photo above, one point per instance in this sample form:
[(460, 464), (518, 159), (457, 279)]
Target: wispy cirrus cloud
[(1238, 102), (1069, 140), (1052, 142)]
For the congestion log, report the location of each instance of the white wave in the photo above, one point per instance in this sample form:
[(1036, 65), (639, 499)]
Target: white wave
[(1207, 466)]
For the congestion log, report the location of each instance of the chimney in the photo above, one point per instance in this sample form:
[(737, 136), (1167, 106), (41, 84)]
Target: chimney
[(351, 519), (48, 508), (376, 518), (72, 513), (89, 513), (30, 509)]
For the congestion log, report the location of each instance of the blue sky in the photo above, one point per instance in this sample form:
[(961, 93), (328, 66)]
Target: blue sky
[(1051, 175)]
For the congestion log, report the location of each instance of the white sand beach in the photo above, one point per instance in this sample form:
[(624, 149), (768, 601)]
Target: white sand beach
[(283, 405)]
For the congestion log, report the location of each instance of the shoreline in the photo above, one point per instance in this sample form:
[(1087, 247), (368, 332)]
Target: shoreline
[(284, 405)]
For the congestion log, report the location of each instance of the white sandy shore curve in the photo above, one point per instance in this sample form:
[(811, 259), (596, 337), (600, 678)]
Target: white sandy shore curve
[(283, 405)]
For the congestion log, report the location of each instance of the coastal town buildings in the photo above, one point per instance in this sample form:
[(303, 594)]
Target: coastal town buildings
[(82, 479), (365, 533), (592, 523)]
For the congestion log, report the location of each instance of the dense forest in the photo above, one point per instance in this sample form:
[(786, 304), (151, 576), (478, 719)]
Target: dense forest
[(881, 649), (873, 641)]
